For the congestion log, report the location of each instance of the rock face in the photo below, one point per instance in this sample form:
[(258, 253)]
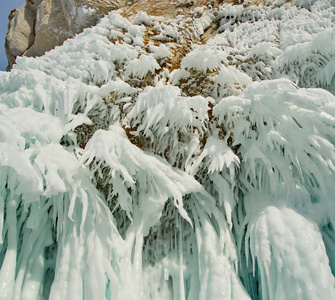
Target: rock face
[(40, 25), (20, 36)]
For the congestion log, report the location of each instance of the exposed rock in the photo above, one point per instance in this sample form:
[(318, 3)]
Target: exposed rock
[(51, 28), (20, 35)]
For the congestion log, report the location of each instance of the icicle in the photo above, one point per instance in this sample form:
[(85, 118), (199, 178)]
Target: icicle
[(181, 260), (288, 255), (2, 203), (8, 268)]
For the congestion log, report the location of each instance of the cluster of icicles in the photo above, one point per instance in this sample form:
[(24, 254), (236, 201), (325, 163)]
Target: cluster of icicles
[(110, 189)]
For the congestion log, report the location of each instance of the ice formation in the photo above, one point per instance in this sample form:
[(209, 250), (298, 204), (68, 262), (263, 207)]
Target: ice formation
[(126, 173)]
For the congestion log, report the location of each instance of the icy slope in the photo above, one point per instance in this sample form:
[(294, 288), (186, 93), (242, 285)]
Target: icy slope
[(190, 158)]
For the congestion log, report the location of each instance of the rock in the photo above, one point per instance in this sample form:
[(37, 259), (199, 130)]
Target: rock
[(20, 35), (40, 25), (51, 28)]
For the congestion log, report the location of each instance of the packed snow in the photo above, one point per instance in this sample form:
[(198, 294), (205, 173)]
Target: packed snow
[(127, 174)]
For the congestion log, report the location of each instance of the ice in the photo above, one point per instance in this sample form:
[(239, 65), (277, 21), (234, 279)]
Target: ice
[(142, 66), (126, 173), (203, 59), (290, 254), (142, 18), (160, 52), (161, 113), (310, 63), (230, 81)]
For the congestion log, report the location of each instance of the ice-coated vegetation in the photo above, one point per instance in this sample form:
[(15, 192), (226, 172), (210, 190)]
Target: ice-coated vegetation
[(178, 159)]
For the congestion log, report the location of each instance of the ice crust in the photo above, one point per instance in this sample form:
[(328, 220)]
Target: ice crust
[(118, 183)]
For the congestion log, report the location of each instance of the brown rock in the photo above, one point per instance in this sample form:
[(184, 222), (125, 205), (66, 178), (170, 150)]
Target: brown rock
[(20, 35), (51, 28)]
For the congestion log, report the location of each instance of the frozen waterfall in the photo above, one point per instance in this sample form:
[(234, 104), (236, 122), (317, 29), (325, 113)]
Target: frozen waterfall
[(124, 175)]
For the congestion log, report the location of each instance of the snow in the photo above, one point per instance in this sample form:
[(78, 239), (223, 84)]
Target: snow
[(126, 173)]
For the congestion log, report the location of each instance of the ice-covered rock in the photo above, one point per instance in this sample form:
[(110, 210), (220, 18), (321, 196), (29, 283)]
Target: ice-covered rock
[(186, 157)]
